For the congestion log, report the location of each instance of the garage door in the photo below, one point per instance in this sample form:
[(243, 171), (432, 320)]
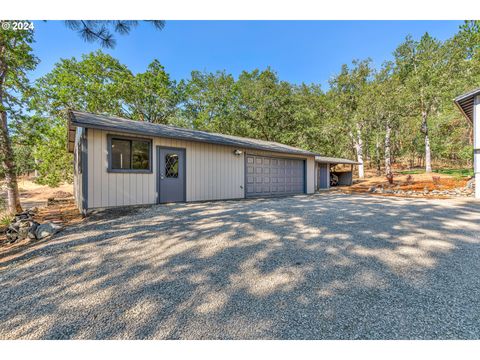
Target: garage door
[(270, 176)]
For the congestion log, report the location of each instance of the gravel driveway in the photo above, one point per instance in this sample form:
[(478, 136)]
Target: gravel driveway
[(327, 266)]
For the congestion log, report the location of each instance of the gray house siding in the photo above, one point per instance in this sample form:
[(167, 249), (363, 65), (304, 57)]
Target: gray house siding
[(213, 172)]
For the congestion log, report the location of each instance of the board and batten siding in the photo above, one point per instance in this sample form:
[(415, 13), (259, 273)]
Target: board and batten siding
[(213, 172)]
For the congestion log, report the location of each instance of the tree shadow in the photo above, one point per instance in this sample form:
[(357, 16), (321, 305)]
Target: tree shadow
[(329, 266)]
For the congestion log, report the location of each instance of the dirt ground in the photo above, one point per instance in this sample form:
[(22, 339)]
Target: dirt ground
[(35, 195), (413, 182), (62, 211)]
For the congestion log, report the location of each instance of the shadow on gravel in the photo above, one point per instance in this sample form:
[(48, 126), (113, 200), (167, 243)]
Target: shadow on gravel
[(328, 266)]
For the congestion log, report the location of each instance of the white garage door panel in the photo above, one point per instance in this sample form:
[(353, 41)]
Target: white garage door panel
[(268, 176)]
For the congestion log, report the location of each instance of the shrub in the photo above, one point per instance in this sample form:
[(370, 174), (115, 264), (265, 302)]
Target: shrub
[(5, 220)]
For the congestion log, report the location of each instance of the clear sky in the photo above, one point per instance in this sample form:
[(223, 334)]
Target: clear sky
[(300, 51)]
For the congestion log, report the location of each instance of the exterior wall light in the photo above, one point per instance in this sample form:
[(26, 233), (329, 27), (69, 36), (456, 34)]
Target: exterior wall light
[(237, 152)]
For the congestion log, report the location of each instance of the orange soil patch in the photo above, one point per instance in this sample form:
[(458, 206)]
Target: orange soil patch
[(416, 182)]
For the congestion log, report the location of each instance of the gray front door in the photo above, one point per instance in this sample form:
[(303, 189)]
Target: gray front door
[(323, 176), (270, 176), (171, 174)]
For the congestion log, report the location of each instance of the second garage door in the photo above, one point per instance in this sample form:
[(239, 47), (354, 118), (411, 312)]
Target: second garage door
[(270, 176)]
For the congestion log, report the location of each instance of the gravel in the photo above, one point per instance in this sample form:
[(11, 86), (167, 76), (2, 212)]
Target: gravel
[(328, 266)]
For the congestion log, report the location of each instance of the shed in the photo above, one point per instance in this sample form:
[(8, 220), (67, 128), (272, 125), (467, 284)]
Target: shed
[(121, 162), (323, 171), (469, 105)]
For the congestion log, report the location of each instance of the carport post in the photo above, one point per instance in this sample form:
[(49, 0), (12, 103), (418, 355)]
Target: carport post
[(476, 144)]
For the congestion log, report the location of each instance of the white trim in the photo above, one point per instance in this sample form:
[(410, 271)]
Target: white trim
[(476, 144)]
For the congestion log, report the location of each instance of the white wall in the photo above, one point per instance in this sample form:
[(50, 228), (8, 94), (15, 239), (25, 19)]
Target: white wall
[(213, 172), (476, 144)]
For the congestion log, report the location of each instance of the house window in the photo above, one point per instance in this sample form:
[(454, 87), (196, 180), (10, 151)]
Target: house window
[(129, 155)]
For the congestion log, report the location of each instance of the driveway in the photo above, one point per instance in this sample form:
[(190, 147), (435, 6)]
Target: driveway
[(327, 266)]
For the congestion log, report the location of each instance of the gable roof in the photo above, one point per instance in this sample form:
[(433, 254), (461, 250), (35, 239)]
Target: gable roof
[(465, 103), (111, 123)]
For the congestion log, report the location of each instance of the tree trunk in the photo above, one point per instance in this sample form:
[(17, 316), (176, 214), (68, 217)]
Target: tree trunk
[(428, 156), (377, 155), (358, 143), (388, 155), (8, 164)]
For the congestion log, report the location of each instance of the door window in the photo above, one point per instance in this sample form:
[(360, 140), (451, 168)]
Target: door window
[(171, 166)]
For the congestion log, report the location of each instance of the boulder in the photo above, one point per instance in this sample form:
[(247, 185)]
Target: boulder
[(47, 229)]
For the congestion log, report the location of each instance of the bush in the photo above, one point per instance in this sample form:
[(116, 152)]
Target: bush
[(5, 220)]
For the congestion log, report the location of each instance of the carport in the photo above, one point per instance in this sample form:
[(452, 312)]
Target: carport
[(325, 168)]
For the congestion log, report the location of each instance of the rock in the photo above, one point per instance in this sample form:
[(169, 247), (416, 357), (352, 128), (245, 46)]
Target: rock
[(470, 184), (372, 189), (32, 230), (47, 229), (11, 237), (23, 232)]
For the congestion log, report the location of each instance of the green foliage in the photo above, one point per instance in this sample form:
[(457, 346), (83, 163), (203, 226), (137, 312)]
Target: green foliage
[(54, 162), (5, 220)]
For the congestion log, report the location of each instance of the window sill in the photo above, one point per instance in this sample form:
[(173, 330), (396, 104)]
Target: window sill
[(120, 171)]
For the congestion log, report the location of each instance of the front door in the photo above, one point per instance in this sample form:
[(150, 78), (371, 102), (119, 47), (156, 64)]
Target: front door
[(171, 174)]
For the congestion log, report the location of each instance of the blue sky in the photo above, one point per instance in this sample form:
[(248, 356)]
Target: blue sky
[(300, 51)]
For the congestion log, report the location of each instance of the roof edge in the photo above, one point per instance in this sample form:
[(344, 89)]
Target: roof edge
[(74, 122)]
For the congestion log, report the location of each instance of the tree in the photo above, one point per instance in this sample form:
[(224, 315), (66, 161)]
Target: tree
[(423, 71), (210, 103), (102, 30), (386, 110), (265, 106), (348, 88), (151, 96), (16, 59)]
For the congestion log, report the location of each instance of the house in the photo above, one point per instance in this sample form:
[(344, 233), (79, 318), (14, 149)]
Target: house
[(469, 105), (121, 162)]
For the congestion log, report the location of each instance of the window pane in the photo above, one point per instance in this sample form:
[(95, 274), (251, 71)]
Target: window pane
[(120, 154), (141, 155), (171, 166)]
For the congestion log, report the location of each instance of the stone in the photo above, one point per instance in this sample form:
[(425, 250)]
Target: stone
[(11, 237), (372, 189), (32, 230), (470, 184), (47, 229)]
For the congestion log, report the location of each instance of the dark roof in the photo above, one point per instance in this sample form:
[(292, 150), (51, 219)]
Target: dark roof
[(333, 160), (88, 120), (465, 103)]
